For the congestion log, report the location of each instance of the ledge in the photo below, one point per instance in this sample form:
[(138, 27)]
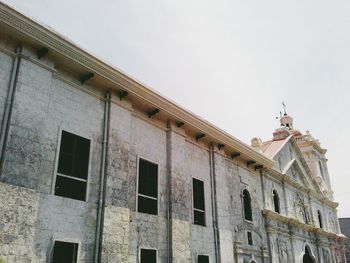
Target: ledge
[(295, 222)]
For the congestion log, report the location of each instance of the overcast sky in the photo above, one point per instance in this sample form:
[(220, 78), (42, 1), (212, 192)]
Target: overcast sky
[(232, 62)]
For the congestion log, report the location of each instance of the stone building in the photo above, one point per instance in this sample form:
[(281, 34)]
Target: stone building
[(345, 229), (96, 167)]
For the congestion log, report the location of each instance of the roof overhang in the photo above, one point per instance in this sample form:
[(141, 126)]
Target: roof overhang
[(65, 52)]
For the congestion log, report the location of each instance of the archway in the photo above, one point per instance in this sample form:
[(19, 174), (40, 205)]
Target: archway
[(308, 258)]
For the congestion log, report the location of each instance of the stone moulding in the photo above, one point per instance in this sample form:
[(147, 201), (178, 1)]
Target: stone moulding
[(285, 178), (43, 36), (294, 222)]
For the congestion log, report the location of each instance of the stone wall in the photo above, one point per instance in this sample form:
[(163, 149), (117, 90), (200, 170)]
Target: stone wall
[(345, 229), (19, 212), (50, 99)]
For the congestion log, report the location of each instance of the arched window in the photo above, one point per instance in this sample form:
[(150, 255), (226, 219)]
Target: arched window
[(319, 215), (276, 201), (321, 168), (247, 205)]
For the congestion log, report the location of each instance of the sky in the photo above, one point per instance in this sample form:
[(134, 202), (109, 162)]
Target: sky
[(231, 62)]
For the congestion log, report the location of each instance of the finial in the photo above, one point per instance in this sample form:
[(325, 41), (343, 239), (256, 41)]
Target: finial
[(284, 107)]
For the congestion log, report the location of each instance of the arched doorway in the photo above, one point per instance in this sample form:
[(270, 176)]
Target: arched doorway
[(308, 258)]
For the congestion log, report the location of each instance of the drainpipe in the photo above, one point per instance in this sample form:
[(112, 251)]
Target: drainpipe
[(6, 121), (169, 193), (103, 180), (214, 204)]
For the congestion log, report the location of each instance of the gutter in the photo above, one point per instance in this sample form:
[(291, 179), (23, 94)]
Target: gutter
[(103, 181), (6, 121)]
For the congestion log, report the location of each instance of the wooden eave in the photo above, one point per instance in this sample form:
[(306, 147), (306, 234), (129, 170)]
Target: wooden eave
[(71, 57)]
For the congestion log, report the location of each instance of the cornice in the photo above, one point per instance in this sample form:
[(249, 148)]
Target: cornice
[(58, 44), (296, 223), (284, 178)]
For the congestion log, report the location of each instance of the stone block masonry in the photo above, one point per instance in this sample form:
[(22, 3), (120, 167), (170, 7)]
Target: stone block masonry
[(50, 99)]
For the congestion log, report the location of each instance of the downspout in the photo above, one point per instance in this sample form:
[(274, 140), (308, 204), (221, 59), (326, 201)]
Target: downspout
[(6, 121), (169, 193), (265, 219), (103, 180), (214, 205)]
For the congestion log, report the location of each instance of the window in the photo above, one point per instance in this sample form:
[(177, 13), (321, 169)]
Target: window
[(148, 256), (198, 202), (276, 201), (73, 164), (147, 200), (247, 206), (250, 238), (321, 168), (319, 215), (64, 252), (203, 259)]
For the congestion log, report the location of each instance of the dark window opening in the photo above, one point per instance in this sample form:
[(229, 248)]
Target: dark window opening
[(321, 168), (276, 201), (73, 165), (308, 258), (247, 206), (203, 259), (198, 202), (148, 256), (250, 238), (65, 252), (319, 215), (147, 188)]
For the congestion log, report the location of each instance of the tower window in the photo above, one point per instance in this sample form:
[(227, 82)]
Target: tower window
[(65, 252), (203, 259), (73, 163), (198, 202), (147, 201), (319, 215), (250, 238), (247, 206), (276, 201), (321, 168), (148, 256)]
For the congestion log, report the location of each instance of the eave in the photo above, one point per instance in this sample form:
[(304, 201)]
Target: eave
[(66, 53)]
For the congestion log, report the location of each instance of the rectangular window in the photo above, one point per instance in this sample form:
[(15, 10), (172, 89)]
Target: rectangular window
[(147, 199), (203, 259), (73, 165), (250, 238), (65, 252), (148, 256), (198, 202)]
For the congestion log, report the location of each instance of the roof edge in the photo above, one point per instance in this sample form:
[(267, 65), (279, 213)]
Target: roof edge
[(45, 36)]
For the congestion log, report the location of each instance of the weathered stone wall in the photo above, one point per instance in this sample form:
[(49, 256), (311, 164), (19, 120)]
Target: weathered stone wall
[(5, 74), (345, 229), (19, 212), (198, 166), (49, 100), (45, 104)]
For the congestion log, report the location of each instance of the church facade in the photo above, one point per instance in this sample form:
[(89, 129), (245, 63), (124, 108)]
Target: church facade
[(96, 167)]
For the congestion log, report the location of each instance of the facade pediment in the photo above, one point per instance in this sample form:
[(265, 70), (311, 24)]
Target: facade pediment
[(293, 164)]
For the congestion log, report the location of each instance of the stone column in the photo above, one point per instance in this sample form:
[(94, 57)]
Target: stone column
[(291, 238), (224, 229), (178, 185)]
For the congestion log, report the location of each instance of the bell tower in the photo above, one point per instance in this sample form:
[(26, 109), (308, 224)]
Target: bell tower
[(286, 120)]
